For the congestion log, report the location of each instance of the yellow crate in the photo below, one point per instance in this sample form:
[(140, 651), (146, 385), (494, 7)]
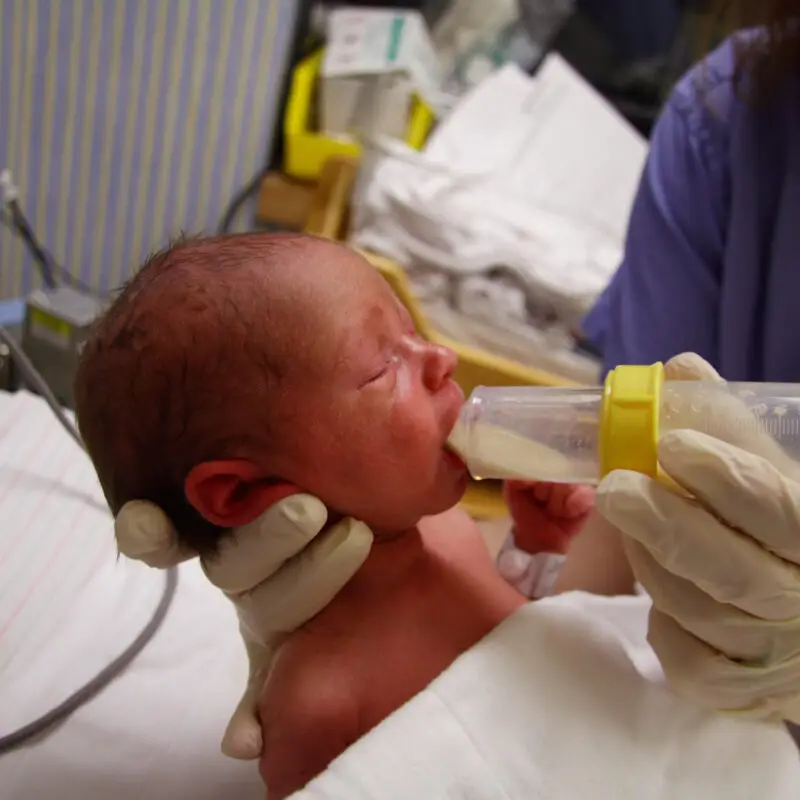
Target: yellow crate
[(306, 151)]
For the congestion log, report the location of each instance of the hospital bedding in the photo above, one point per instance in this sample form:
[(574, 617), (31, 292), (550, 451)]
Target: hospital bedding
[(68, 606), (554, 705)]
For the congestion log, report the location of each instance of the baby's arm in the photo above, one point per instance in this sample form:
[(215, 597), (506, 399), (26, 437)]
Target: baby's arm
[(596, 562), (547, 516), (308, 718), (566, 545)]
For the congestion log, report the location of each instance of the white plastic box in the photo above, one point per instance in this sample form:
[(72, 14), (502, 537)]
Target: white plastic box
[(375, 59)]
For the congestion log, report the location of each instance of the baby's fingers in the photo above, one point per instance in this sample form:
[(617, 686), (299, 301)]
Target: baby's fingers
[(565, 500), (534, 490), (517, 487), (579, 501), (559, 500)]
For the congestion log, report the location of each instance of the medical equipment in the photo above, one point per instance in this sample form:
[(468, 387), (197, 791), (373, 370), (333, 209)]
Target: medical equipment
[(58, 316), (5, 368), (57, 322), (375, 61), (580, 435), (120, 663)]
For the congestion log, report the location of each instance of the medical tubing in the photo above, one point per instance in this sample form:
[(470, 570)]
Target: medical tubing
[(25, 734), (36, 382), (16, 221), (17, 738), (23, 228)]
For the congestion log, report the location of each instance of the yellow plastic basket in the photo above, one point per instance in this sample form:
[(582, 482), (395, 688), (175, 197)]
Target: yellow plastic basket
[(306, 150)]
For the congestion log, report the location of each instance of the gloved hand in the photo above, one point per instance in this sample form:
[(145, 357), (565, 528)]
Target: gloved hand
[(278, 571), (721, 563)]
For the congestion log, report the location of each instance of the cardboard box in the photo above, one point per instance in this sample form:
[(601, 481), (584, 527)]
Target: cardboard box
[(375, 59), (283, 201)]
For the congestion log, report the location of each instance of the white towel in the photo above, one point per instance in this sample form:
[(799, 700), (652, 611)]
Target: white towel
[(554, 705)]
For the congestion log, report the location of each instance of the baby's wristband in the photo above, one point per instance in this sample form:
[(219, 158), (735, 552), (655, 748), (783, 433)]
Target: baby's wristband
[(534, 576)]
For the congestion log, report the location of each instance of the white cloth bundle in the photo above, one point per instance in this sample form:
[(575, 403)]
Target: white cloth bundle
[(536, 174), (531, 178), (555, 705)]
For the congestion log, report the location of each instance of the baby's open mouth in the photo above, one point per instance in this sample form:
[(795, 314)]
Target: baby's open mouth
[(454, 458)]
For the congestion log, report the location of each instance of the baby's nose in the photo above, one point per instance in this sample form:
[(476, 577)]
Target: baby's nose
[(439, 365)]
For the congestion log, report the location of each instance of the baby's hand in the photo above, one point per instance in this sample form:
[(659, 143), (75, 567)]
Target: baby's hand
[(547, 515)]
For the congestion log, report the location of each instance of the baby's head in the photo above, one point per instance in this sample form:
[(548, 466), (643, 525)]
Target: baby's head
[(229, 366)]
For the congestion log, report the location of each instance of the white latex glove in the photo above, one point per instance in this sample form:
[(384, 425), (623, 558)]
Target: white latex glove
[(277, 571), (721, 566)]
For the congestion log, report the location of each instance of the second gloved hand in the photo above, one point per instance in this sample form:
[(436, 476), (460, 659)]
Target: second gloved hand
[(279, 571), (720, 559)]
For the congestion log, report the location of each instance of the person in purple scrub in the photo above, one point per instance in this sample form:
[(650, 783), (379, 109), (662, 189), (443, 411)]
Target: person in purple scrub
[(712, 259), (712, 267)]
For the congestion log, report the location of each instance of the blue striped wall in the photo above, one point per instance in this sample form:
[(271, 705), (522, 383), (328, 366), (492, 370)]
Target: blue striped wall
[(126, 121)]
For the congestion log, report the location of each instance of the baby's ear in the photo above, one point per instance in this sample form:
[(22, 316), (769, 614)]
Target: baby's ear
[(233, 493)]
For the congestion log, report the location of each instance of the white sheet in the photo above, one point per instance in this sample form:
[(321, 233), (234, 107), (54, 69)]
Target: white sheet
[(535, 174), (554, 705), (155, 732)]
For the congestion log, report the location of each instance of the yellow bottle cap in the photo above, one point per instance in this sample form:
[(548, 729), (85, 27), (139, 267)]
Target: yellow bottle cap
[(629, 420)]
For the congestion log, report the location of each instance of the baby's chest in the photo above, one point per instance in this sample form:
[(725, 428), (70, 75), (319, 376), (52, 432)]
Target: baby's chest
[(397, 644), (390, 657)]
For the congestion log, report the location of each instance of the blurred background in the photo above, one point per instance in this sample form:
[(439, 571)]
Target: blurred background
[(484, 155), (125, 121)]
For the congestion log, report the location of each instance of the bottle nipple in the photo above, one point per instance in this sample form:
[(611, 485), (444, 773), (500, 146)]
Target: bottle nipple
[(493, 452)]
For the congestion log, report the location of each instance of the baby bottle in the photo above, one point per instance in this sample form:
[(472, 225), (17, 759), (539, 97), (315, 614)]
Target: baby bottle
[(579, 435)]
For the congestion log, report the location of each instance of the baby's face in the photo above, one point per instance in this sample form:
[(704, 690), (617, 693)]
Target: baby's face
[(369, 406)]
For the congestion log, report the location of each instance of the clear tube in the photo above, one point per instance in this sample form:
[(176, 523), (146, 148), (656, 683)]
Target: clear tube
[(553, 434)]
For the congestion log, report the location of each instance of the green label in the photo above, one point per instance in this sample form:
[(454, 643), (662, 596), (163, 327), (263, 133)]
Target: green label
[(394, 38)]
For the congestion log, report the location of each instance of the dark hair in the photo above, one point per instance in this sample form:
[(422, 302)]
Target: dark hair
[(159, 386), (764, 61)]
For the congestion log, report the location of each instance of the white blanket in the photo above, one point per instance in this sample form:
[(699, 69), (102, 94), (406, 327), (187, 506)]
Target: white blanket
[(68, 606), (154, 733), (537, 173), (553, 705)]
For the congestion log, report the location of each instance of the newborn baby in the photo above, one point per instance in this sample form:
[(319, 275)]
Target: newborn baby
[(232, 371)]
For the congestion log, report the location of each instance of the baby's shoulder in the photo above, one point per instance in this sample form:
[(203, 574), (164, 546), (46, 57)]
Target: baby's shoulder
[(305, 681), (309, 714)]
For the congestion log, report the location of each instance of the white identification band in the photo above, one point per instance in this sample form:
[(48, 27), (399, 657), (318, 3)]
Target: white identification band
[(534, 576)]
